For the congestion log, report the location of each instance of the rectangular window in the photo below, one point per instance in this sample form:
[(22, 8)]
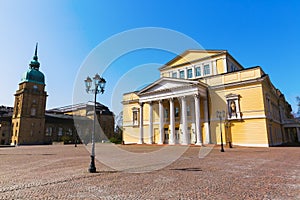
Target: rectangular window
[(49, 131), (181, 74), (135, 118), (190, 73), (198, 71), (174, 75), (206, 69), (60, 131), (70, 131)]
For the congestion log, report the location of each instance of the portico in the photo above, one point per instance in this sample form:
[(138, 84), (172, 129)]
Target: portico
[(180, 107)]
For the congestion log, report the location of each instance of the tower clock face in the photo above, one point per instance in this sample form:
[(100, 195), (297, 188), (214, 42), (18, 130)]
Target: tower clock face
[(35, 87)]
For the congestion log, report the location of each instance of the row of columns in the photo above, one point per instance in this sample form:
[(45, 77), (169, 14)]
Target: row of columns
[(185, 135)]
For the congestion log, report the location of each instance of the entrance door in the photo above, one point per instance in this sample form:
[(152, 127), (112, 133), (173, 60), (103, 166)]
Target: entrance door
[(177, 136), (166, 132)]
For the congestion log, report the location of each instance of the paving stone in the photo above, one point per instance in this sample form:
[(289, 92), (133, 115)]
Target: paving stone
[(60, 172)]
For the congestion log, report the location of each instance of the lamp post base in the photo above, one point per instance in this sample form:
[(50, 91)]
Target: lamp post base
[(222, 148), (92, 168)]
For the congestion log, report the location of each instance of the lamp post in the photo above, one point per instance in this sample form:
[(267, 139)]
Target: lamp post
[(220, 115), (99, 84)]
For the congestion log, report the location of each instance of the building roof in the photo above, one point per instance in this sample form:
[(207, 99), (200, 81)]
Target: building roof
[(33, 74), (89, 105), (64, 117), (191, 56), (6, 111)]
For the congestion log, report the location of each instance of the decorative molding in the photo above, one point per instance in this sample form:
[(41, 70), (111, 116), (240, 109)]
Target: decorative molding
[(233, 107)]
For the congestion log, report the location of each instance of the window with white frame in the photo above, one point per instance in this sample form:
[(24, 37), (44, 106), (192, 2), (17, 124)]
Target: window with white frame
[(135, 120), (174, 75), (206, 70), (233, 105), (181, 74), (190, 73), (198, 71)]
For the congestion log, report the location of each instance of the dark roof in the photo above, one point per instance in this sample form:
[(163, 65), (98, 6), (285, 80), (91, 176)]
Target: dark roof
[(79, 106), (63, 117)]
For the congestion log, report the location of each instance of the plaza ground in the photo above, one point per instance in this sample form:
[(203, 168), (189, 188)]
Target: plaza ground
[(60, 172)]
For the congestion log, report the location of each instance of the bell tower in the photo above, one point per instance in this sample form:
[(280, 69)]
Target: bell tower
[(28, 120)]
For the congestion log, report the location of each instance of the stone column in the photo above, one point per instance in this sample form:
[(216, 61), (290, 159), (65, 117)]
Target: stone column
[(141, 139), (206, 125), (161, 123), (198, 120), (172, 122), (150, 123), (184, 121)]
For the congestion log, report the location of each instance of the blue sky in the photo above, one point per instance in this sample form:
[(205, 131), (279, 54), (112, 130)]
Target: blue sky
[(264, 33)]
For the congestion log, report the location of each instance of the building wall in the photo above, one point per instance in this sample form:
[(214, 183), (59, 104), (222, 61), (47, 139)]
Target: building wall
[(27, 130), (58, 130), (5, 132), (278, 111), (28, 120), (251, 129), (130, 130)]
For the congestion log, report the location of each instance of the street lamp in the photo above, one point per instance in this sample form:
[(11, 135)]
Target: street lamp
[(220, 115), (99, 84)]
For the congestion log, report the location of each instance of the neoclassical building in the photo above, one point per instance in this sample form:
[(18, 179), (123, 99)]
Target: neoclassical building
[(203, 93)]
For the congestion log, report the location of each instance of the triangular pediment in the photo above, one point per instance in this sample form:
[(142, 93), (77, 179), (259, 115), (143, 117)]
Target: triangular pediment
[(191, 56), (164, 84)]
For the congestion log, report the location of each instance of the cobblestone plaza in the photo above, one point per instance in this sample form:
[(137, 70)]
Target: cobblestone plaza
[(60, 172)]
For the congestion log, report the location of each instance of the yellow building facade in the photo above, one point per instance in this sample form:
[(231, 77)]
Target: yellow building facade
[(203, 93)]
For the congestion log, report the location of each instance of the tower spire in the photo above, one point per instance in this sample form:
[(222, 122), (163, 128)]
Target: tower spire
[(35, 57), (34, 64)]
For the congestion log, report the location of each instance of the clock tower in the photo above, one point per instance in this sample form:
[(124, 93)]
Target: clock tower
[(28, 120)]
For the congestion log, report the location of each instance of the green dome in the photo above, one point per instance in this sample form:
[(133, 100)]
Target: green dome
[(34, 76)]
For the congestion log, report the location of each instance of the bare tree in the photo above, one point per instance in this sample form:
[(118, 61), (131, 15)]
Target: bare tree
[(298, 104)]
